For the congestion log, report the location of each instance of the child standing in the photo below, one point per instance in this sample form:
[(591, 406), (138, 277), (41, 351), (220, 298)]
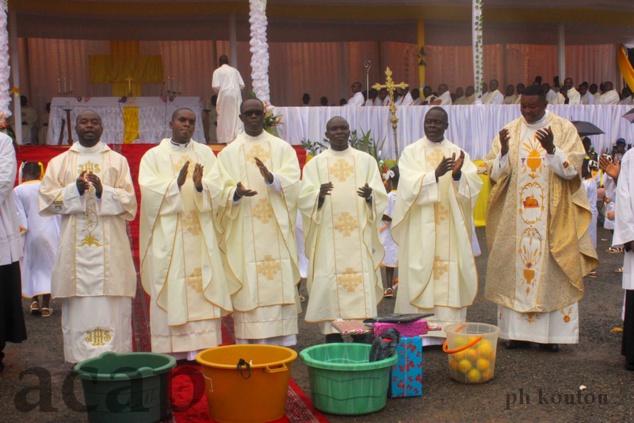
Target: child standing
[(391, 249)]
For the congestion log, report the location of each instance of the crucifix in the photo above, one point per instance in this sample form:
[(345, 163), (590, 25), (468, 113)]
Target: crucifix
[(391, 87)]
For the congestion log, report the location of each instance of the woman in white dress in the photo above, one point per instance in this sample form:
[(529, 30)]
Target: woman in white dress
[(391, 248), (40, 236)]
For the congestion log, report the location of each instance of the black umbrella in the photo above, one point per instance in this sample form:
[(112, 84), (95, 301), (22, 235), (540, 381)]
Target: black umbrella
[(629, 116), (586, 128)]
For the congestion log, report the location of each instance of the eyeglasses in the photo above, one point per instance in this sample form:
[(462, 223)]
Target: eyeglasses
[(256, 112)]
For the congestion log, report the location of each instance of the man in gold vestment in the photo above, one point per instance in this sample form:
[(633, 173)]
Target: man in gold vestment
[(537, 227), (261, 185), (90, 187), (342, 200), (181, 265), (432, 224)]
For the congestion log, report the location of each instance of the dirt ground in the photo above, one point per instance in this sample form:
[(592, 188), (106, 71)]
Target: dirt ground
[(529, 385)]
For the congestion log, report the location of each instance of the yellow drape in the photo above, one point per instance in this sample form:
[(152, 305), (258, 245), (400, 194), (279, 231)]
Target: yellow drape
[(626, 67), (130, 124), (421, 47), (115, 69), (124, 63), (480, 209)]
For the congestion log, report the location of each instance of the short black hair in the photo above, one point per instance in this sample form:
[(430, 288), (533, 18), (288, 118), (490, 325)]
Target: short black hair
[(441, 109), (253, 98), (534, 90), (180, 109), (31, 169)]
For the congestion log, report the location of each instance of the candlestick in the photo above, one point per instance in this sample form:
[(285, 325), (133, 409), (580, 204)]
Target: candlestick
[(59, 86), (179, 87), (65, 86), (70, 85)]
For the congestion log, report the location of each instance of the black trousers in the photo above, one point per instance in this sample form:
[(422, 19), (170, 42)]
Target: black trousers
[(12, 328)]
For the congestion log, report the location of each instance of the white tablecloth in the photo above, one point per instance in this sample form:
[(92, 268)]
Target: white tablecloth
[(154, 117), (471, 127)]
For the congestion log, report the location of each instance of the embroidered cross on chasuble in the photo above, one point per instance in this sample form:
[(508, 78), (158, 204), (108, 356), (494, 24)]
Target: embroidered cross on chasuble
[(347, 235), (268, 256)]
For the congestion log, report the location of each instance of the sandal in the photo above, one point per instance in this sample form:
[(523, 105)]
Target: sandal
[(46, 312), (35, 307), (388, 293), (592, 274), (613, 250), (618, 270)]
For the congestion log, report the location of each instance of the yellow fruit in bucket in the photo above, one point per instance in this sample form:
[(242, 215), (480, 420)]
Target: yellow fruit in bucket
[(464, 366), (453, 363), (487, 375), (483, 364), (459, 356), (472, 354), (484, 348), (459, 342), (473, 376)]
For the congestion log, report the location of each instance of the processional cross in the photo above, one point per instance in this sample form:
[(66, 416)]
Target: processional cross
[(391, 87)]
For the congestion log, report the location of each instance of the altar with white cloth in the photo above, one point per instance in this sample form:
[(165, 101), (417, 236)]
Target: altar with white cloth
[(472, 127), (154, 115)]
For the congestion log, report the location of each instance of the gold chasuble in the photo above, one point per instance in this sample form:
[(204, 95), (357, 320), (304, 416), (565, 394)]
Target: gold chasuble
[(259, 236), (94, 268), (537, 233), (181, 265), (432, 224), (342, 237)]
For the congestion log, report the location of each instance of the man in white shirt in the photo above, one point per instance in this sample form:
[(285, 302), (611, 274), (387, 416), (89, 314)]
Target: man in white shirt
[(444, 96), (519, 89), (383, 97), (594, 90), (373, 98), (586, 97), (573, 95), (357, 99), (404, 97), (428, 96), (416, 97), (553, 97), (494, 96), (610, 95), (510, 96), (460, 98), (228, 84)]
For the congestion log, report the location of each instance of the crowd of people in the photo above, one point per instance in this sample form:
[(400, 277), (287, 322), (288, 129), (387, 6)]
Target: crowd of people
[(218, 235), (491, 93)]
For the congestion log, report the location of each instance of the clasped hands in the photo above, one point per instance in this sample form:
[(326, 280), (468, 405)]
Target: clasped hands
[(544, 136), (197, 176), (87, 179), (452, 164)]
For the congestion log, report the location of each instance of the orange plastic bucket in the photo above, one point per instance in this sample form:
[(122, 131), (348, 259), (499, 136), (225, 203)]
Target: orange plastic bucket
[(471, 348), (255, 391)]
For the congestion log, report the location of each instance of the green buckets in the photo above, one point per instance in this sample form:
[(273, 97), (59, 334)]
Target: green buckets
[(343, 381), (126, 388)]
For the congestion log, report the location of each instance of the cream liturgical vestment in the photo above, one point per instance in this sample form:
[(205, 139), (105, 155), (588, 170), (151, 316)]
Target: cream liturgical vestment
[(93, 271), (181, 265), (259, 238), (537, 233), (342, 237), (432, 225)]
